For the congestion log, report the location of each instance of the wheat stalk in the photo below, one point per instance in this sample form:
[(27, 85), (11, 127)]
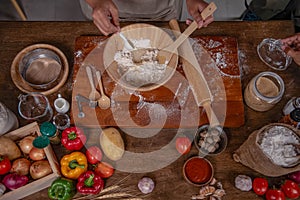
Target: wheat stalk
[(113, 195)]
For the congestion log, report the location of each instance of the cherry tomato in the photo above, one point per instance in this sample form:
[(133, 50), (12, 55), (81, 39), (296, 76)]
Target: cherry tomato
[(93, 155), (291, 189), (183, 145), (274, 194), (5, 165), (104, 170), (260, 186)]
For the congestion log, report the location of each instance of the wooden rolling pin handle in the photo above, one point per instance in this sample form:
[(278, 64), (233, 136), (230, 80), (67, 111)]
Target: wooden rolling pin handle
[(213, 120), (209, 10)]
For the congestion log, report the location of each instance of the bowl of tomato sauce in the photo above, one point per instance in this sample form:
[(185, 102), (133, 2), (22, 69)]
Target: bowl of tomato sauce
[(198, 171)]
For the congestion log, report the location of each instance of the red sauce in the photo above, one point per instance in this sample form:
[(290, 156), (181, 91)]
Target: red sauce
[(198, 170)]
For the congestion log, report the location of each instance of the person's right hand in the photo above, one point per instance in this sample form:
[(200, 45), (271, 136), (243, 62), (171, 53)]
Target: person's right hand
[(105, 16), (291, 45)]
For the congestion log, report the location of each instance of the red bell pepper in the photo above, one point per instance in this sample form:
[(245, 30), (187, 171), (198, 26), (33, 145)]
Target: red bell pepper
[(73, 138), (89, 183)]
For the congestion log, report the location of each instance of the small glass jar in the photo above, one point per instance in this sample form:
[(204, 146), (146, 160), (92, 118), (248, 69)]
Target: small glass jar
[(292, 118), (61, 121), (48, 129), (291, 105), (264, 91)]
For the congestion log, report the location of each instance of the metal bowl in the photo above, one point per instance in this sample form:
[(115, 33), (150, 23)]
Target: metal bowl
[(40, 68)]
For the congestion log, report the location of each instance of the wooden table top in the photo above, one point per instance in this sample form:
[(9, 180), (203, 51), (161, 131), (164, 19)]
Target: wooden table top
[(169, 181)]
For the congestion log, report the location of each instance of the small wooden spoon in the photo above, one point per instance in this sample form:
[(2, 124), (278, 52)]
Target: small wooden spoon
[(94, 94), (165, 54), (103, 101)]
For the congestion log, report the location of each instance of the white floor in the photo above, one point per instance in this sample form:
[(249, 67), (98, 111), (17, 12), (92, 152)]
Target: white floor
[(69, 10)]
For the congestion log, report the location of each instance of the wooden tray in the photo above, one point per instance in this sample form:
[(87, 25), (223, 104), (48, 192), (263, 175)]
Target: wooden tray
[(139, 109), (39, 184)]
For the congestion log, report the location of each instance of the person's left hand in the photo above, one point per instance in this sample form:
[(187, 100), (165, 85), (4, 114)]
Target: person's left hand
[(195, 7), (291, 45)]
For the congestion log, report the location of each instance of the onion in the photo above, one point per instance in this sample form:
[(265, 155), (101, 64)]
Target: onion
[(295, 176), (146, 185), (39, 169), (26, 144), (20, 166), (14, 181), (37, 154)]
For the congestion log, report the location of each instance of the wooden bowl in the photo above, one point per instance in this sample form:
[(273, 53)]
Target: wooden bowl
[(25, 86), (198, 171), (158, 39)]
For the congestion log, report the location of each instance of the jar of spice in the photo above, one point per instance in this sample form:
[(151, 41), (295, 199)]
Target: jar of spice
[(264, 91), (48, 129), (293, 118), (292, 104)]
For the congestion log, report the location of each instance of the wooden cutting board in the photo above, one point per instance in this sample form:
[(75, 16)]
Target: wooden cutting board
[(169, 106)]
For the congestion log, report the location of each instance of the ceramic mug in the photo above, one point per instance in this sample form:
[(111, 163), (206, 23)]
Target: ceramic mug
[(61, 105)]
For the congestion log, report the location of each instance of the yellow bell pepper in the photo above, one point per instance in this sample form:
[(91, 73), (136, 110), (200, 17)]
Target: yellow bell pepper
[(73, 165)]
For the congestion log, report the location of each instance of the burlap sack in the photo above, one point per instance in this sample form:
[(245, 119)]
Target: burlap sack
[(250, 154)]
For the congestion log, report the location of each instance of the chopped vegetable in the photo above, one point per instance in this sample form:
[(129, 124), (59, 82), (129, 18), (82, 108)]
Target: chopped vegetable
[(243, 183), (62, 189), (73, 138), (73, 164), (14, 181), (89, 183), (5, 165)]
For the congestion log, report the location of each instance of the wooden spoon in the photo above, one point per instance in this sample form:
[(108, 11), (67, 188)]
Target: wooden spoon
[(94, 94), (103, 101), (165, 54)]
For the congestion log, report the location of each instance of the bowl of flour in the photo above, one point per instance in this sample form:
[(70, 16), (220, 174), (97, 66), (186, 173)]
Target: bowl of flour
[(148, 73)]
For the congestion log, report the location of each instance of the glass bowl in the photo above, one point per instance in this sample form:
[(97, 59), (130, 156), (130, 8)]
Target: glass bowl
[(271, 53)]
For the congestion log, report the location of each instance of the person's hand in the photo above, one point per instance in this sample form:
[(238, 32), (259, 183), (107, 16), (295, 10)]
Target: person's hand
[(105, 16), (195, 7), (291, 45)]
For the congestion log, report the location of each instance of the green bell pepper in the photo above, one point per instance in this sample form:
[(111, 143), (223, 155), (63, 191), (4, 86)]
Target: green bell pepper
[(62, 189)]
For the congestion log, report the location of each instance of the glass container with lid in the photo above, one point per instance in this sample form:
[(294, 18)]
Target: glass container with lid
[(264, 91)]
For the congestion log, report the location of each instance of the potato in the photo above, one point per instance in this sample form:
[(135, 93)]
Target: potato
[(112, 143), (9, 148)]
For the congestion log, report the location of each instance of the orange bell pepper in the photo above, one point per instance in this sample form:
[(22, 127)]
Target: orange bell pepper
[(73, 165)]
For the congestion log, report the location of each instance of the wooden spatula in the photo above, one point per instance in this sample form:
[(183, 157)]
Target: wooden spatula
[(165, 54), (195, 77)]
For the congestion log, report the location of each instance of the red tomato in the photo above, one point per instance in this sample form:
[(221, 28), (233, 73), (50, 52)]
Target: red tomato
[(5, 165), (260, 186), (104, 170), (274, 194), (291, 189), (93, 155), (183, 145)]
